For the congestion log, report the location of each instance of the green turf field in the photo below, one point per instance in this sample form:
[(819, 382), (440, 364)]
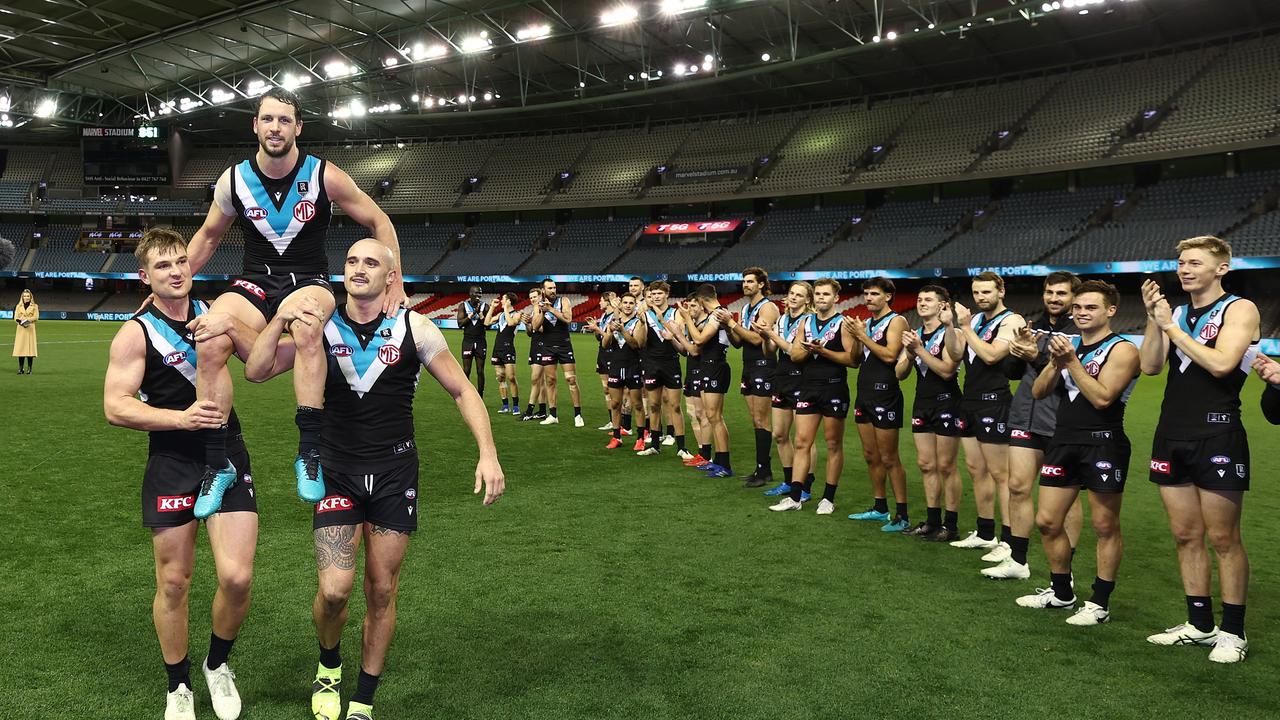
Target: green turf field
[(603, 585)]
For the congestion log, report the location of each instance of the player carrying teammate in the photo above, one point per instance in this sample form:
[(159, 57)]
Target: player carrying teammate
[(472, 314), (153, 357), (935, 412), (758, 367), (371, 458), (503, 313), (826, 351), (1200, 454), (1093, 376), (281, 197), (983, 343), (879, 405)]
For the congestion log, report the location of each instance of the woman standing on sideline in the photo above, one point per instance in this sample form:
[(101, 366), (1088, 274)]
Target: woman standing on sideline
[(25, 315)]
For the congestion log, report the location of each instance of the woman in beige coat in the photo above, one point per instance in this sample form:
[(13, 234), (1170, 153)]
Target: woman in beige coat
[(25, 316)]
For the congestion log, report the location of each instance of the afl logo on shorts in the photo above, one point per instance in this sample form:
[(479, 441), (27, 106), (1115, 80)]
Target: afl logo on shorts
[(341, 351), (255, 213), (1209, 332), (175, 358), (389, 354), (1220, 460), (410, 494), (1102, 465), (304, 211)]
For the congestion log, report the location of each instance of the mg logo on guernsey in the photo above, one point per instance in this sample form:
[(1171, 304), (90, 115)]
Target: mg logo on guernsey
[(175, 503), (1209, 332), (175, 358), (1093, 368), (389, 354), (1161, 466), (1051, 471), (252, 288), (304, 211), (334, 502), (255, 213)]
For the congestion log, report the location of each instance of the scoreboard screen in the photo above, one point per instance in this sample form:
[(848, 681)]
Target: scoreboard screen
[(135, 155)]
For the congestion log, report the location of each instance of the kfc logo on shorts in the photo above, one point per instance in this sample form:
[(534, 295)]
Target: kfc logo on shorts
[(1161, 466), (917, 422), (1209, 332), (341, 351), (410, 494), (334, 502), (1093, 368), (1052, 471), (255, 213), (389, 354), (803, 404), (857, 412), (253, 289), (304, 211), (175, 358), (175, 503), (1019, 434), (1220, 460)]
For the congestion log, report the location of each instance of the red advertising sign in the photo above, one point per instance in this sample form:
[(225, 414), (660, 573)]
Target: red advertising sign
[(692, 228)]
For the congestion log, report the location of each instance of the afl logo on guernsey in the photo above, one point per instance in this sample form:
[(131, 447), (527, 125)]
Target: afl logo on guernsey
[(1209, 332), (255, 213), (175, 358), (341, 351), (389, 354), (304, 211)]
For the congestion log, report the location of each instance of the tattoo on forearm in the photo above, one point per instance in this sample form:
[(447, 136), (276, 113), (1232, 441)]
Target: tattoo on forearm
[(379, 530), (336, 547)]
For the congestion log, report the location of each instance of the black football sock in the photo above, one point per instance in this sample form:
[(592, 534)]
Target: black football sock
[(331, 658), (809, 480), (1102, 593), (900, 511), (764, 446), (219, 651), (309, 421), (987, 528), (933, 516), (1018, 551), (705, 450), (366, 686), (553, 412), (515, 401), (1061, 583), (786, 474), (951, 519), (722, 459), (1200, 612), (671, 430), (626, 420), (179, 673), (542, 408), (829, 492), (680, 444), (577, 411), (529, 410), (1006, 532), (881, 505), (797, 490), (617, 433), (1232, 619), (215, 447)]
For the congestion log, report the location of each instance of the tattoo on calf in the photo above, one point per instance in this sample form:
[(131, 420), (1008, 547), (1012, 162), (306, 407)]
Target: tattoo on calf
[(336, 547)]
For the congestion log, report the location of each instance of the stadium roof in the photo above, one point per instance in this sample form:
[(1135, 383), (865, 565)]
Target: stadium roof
[(429, 67)]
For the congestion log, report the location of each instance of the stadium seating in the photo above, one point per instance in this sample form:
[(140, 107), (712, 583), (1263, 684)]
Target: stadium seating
[(788, 238), (583, 247), (493, 248), (20, 235), (15, 197), (819, 153), (26, 164), (58, 252), (897, 234), (650, 255)]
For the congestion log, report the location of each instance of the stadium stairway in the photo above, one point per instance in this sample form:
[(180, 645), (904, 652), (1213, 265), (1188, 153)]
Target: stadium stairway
[(969, 222), (1018, 125), (1101, 215), (775, 154), (643, 190), (1169, 103), (888, 142), (548, 194)]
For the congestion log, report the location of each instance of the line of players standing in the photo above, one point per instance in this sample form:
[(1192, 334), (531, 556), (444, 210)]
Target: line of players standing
[(1063, 426)]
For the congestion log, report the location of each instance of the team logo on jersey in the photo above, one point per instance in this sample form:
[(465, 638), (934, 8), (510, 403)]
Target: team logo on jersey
[(175, 358), (410, 494), (385, 333), (303, 186), (1241, 470), (1209, 332), (1102, 465), (1092, 368), (341, 351), (1220, 460), (255, 213), (334, 502), (304, 211), (252, 288), (1161, 466), (1052, 471), (1219, 418), (389, 354), (175, 503)]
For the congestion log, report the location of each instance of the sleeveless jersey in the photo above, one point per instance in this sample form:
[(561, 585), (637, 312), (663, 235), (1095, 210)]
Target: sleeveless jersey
[(368, 395), (603, 351), (1197, 404), (1079, 422), (789, 328), (715, 349), (876, 375), (983, 381), (819, 369), (657, 345), (555, 332), (169, 381), (752, 353), (473, 324), (929, 384), (622, 354), (506, 337), (284, 221)]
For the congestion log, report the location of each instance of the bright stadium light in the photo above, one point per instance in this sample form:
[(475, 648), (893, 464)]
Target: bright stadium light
[(337, 68), (488, 96), (765, 57), (675, 7), (5, 121), (218, 95), (357, 108), (533, 32), (891, 35), (462, 99), (257, 87), (187, 104), (475, 43), (428, 52), (293, 82), (875, 38), (47, 108), (620, 15), (679, 68), (390, 61), (4, 104), (471, 98), (644, 76)]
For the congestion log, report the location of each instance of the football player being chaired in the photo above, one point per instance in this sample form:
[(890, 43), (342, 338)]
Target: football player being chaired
[(370, 456), (1093, 376), (153, 357), (1200, 455), (473, 314), (281, 197)]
